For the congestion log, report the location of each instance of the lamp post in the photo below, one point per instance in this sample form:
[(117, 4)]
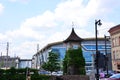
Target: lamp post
[(106, 56), (97, 22)]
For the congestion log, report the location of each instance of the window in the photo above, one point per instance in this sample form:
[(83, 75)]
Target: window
[(88, 64), (119, 40), (113, 42), (75, 46), (114, 55), (118, 66)]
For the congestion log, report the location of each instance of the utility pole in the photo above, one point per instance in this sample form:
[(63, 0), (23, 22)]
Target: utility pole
[(1, 54), (37, 56), (1, 61), (37, 47), (7, 48)]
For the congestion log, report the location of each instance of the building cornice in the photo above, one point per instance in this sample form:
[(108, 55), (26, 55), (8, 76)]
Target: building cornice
[(115, 29)]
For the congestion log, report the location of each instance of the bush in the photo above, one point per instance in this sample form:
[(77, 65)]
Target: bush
[(20, 74), (40, 77)]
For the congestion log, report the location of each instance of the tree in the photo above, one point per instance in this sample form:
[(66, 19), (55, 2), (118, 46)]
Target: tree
[(53, 63), (74, 62), (1, 64)]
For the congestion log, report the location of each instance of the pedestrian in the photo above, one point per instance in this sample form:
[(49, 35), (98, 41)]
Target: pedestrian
[(102, 75)]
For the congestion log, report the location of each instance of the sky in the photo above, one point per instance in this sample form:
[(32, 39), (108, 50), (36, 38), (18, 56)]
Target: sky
[(26, 23)]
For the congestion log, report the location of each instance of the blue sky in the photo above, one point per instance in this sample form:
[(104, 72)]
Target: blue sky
[(26, 23), (16, 11)]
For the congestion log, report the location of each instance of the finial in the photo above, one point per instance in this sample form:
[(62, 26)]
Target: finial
[(73, 24)]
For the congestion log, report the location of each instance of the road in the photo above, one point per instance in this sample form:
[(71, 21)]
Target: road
[(104, 79)]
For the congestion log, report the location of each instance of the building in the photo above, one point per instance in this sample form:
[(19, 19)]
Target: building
[(88, 46), (7, 62), (115, 49), (23, 63)]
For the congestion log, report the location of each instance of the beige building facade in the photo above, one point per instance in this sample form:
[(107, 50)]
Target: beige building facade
[(115, 47)]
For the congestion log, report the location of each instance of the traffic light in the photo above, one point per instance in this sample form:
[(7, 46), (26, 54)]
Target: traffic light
[(95, 61), (99, 60)]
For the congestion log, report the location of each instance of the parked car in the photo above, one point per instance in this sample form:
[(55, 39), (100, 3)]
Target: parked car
[(44, 72), (58, 73), (114, 77), (110, 73)]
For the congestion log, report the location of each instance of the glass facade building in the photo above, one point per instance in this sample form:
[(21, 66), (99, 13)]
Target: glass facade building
[(89, 51), (23, 63), (60, 51), (88, 47)]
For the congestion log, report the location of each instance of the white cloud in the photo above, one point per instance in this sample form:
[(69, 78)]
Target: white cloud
[(25, 49), (66, 12), (103, 29), (47, 19), (2, 37), (51, 26)]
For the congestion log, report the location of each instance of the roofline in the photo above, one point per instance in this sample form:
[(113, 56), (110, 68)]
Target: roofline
[(59, 42), (50, 44), (73, 37), (93, 38), (114, 28), (25, 59)]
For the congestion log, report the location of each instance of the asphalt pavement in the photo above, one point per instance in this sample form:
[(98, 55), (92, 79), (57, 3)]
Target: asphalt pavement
[(103, 79)]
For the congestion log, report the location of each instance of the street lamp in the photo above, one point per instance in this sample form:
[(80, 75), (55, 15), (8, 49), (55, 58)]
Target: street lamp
[(97, 22), (106, 56)]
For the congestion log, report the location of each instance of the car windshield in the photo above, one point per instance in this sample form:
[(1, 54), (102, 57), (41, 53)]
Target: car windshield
[(115, 76)]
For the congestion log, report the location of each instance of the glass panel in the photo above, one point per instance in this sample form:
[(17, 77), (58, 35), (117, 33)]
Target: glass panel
[(87, 56), (60, 51), (93, 47)]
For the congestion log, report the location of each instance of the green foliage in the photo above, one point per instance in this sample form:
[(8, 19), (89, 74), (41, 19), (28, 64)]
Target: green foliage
[(1, 64), (74, 58), (53, 63), (21, 71), (12, 71), (40, 77), (65, 64), (2, 71), (19, 74)]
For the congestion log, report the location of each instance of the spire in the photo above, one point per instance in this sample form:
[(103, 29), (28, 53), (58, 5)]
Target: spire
[(73, 37)]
